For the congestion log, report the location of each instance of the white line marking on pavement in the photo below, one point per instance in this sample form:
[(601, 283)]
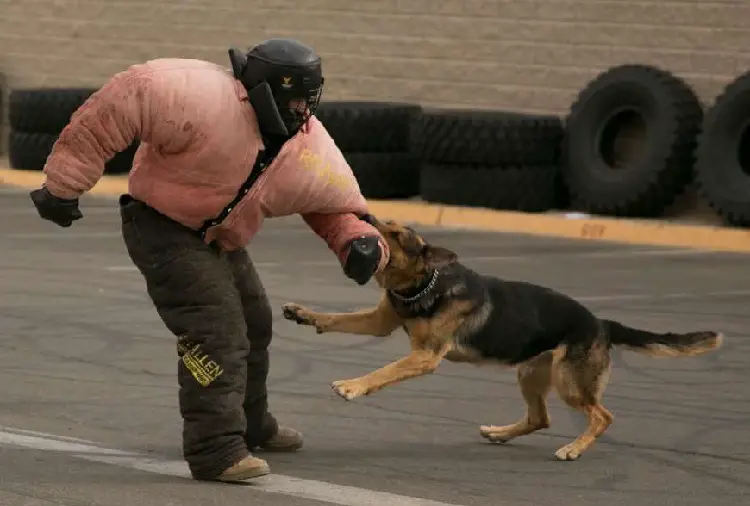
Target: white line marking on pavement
[(53, 443), (44, 434), (331, 493)]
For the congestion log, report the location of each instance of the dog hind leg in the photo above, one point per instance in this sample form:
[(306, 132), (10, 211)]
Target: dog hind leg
[(580, 380), (535, 381)]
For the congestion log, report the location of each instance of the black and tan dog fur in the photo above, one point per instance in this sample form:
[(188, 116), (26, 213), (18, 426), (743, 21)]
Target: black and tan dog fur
[(451, 312)]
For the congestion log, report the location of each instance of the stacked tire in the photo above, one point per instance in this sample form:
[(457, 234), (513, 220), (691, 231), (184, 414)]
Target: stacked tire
[(3, 102), (723, 156), (490, 159), (38, 116), (630, 141), (380, 143)]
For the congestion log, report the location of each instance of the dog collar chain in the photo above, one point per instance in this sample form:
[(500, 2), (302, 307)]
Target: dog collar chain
[(421, 294)]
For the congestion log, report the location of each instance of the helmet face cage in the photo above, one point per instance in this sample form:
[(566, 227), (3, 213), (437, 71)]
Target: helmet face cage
[(293, 73), (296, 106), (296, 88)]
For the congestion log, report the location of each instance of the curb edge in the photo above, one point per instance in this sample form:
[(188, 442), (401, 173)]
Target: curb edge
[(606, 229)]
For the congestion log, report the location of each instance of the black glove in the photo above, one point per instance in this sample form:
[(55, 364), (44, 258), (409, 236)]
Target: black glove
[(60, 211), (363, 259)]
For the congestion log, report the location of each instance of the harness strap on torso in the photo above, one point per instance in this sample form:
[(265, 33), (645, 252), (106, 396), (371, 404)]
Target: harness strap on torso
[(265, 158)]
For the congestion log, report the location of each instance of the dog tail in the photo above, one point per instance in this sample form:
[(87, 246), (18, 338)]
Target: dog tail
[(662, 345)]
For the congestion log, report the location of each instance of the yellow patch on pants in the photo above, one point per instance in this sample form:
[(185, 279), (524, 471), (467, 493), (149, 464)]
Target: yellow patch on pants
[(204, 369)]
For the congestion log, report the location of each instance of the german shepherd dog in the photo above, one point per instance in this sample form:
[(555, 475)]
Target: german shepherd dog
[(451, 312)]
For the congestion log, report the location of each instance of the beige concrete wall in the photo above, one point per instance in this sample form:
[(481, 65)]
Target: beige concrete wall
[(526, 55)]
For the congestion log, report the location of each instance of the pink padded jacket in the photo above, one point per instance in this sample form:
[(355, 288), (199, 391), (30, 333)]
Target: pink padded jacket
[(199, 141)]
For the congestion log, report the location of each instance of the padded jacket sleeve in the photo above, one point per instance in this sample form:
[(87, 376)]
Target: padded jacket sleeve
[(126, 108), (339, 229)]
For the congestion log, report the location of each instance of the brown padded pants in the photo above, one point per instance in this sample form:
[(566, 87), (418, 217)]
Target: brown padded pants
[(215, 304)]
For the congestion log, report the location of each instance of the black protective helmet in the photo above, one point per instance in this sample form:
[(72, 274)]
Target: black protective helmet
[(284, 73)]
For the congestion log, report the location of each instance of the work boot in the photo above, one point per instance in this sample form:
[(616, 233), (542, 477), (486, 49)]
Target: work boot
[(246, 469), (285, 440)]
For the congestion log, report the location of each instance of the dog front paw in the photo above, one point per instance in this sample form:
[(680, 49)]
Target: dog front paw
[(348, 389), (296, 313), (302, 316)]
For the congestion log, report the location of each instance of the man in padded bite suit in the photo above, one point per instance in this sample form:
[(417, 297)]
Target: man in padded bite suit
[(219, 152)]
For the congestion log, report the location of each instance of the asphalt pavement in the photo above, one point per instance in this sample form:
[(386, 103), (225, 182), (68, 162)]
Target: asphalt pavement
[(88, 404)]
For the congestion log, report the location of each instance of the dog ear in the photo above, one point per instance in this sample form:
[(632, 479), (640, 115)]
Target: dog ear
[(436, 256)]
